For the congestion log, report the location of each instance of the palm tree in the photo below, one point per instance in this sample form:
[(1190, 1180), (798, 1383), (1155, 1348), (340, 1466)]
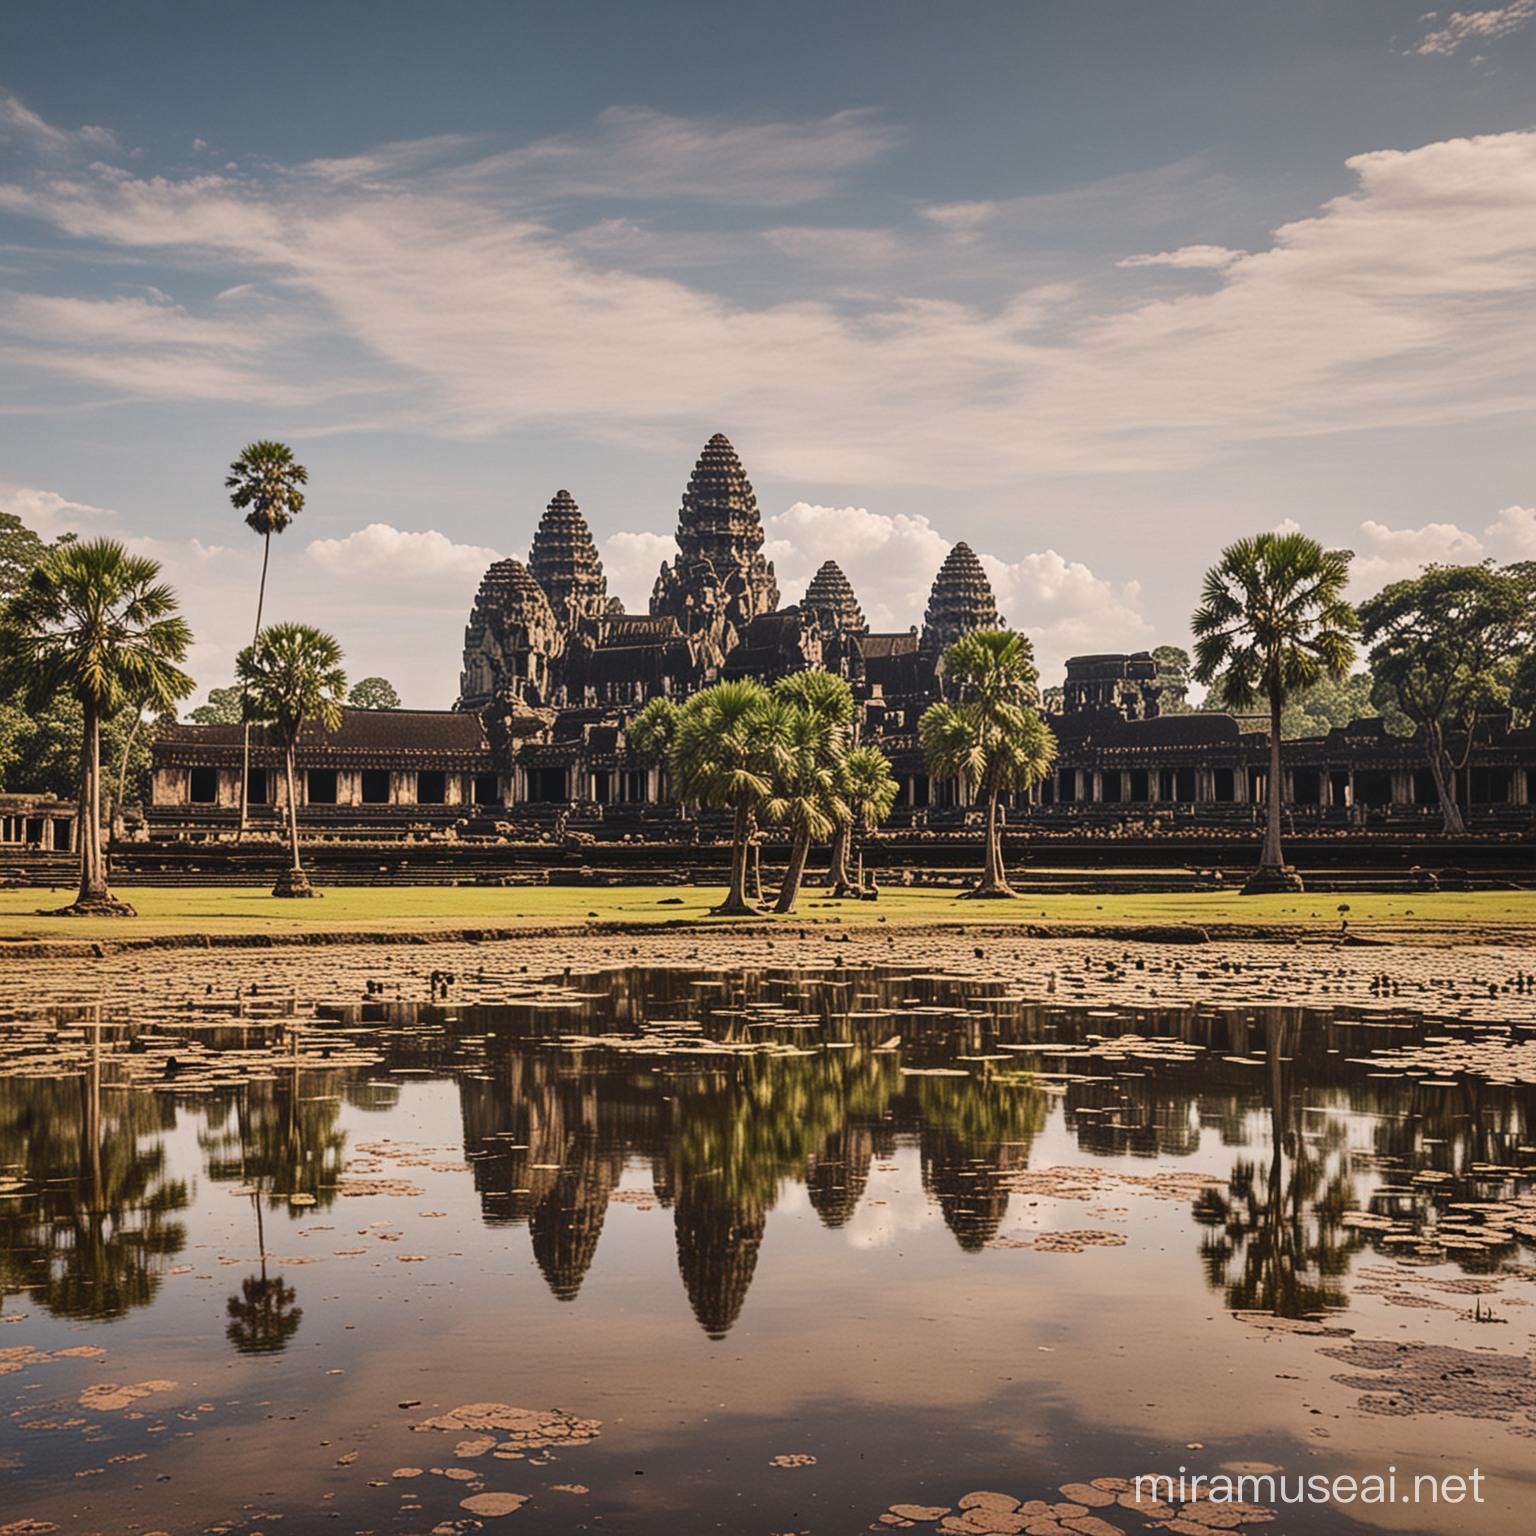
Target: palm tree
[(264, 484), (292, 675), (807, 791), (804, 792), (1272, 621), (992, 738), (725, 745), (94, 622), (868, 788)]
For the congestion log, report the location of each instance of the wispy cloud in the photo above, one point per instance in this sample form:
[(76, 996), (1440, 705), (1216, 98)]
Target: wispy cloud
[(18, 123), (634, 153), (1405, 302), (1211, 257), (1475, 27)]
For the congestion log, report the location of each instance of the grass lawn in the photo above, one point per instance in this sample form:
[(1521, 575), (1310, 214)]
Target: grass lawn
[(251, 910)]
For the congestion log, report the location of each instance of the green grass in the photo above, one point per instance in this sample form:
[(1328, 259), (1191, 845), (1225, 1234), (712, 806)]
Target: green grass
[(251, 910)]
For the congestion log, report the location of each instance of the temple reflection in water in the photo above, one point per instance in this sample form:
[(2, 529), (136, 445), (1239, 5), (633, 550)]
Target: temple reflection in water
[(711, 1092)]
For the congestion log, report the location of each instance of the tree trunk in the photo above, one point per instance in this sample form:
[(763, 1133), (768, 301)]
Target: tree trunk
[(122, 768), (94, 899), (245, 750), (1272, 857), (838, 882), (1271, 875), (994, 877), (736, 903), (1444, 775), (293, 881), (799, 849)]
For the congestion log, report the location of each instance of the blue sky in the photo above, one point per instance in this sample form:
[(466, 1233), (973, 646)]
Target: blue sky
[(1096, 287)]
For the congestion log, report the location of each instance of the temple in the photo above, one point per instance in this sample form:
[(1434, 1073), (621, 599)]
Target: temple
[(553, 669)]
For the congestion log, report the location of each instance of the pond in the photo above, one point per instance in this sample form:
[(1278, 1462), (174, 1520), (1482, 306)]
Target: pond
[(652, 1248)]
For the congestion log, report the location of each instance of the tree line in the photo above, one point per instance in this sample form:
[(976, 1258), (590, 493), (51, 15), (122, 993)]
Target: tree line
[(91, 644)]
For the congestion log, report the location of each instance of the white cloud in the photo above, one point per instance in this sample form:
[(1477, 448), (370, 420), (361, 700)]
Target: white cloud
[(1385, 555), (48, 514), (429, 563), (1210, 257), (1475, 26), (890, 561), (960, 218), (1066, 610), (631, 562), (1513, 533), (21, 123)]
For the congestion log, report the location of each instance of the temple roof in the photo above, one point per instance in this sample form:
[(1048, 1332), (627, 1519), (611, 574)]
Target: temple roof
[(961, 601), (719, 519), (509, 592), (372, 731), (564, 561), (830, 596)]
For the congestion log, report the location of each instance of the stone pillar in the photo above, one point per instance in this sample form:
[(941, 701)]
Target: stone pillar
[(1519, 787), (1402, 786), (1098, 786)]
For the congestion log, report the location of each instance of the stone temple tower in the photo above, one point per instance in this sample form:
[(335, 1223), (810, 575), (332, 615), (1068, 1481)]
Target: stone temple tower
[(961, 600), (830, 600), (510, 642), (720, 581), (564, 562)]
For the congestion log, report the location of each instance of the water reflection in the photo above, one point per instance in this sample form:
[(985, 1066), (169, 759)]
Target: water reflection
[(729, 1086), (263, 1316), (91, 1227), (279, 1134), (1277, 1243)]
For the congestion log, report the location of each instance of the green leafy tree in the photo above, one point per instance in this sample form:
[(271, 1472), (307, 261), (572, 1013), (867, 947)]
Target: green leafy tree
[(1328, 705), (95, 623), (1444, 649), (1173, 667), (869, 789), (20, 550), (292, 675), (223, 707), (374, 693), (992, 738), (264, 484), (654, 727), (1273, 621)]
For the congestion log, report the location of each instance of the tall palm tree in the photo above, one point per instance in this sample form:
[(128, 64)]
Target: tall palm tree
[(725, 745), (868, 788), (1273, 621), (292, 675), (96, 623), (264, 484), (991, 738)]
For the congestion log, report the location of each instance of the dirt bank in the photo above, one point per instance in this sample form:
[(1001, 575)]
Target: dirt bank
[(1492, 978)]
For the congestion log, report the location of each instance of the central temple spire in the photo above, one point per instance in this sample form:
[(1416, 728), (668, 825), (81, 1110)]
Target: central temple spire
[(719, 521), (720, 581)]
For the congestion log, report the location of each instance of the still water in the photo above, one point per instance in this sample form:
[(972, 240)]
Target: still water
[(659, 1249)]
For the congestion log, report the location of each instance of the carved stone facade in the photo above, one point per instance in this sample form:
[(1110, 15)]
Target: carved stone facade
[(961, 601), (719, 581), (513, 643), (564, 562), (553, 669)]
